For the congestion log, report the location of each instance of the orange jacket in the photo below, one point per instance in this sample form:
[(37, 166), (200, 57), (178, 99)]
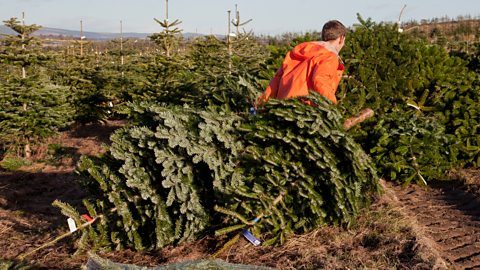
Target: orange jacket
[(308, 66)]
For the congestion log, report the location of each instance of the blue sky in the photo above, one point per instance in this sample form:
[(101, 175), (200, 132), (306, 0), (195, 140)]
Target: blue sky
[(210, 16)]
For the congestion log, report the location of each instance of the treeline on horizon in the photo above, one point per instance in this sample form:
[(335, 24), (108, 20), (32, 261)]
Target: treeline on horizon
[(458, 26)]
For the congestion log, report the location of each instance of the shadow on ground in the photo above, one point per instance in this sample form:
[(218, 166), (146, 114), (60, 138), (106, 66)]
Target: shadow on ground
[(101, 132), (33, 193)]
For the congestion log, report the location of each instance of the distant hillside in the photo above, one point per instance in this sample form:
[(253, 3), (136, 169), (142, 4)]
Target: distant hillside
[(468, 29), (55, 32)]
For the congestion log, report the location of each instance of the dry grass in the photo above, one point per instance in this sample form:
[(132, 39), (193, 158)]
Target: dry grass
[(4, 228), (382, 238), (470, 177)]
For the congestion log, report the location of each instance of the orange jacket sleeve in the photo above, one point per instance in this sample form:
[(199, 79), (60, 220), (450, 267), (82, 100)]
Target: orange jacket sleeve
[(325, 78), (272, 88)]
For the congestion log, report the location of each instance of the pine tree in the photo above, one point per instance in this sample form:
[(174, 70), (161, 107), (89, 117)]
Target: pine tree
[(426, 102), (32, 106), (170, 37), (91, 85)]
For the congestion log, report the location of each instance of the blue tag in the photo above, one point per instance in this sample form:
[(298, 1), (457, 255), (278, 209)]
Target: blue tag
[(252, 239), (252, 111)]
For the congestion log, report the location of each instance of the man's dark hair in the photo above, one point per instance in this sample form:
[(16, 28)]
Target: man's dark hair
[(332, 30)]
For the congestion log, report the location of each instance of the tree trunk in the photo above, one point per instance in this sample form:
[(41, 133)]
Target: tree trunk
[(28, 151)]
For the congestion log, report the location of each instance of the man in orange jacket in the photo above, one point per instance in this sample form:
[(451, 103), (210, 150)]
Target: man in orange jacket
[(311, 66)]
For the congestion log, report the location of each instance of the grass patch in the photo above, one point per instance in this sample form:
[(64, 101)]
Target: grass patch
[(13, 163), (11, 265), (382, 238), (56, 152)]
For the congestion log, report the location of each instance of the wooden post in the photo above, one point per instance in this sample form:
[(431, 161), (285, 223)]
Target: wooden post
[(229, 45), (24, 73), (81, 38), (167, 46), (121, 48), (357, 119), (400, 15), (121, 45), (166, 10), (121, 55), (97, 57), (237, 18), (27, 150)]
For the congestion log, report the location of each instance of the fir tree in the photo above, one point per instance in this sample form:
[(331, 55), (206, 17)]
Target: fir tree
[(179, 173), (90, 85), (416, 90), (32, 106), (170, 37)]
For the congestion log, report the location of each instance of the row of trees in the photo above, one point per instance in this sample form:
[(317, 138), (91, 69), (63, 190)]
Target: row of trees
[(44, 89), (32, 105), (452, 35), (426, 99), (444, 19)]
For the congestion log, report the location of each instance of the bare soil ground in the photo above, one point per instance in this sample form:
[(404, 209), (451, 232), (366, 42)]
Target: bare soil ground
[(27, 217), (411, 228), (449, 212)]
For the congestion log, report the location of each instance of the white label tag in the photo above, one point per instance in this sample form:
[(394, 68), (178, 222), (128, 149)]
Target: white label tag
[(71, 224)]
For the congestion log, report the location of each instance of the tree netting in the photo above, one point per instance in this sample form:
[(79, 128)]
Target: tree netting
[(97, 263)]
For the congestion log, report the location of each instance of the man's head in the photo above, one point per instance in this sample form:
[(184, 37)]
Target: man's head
[(334, 32)]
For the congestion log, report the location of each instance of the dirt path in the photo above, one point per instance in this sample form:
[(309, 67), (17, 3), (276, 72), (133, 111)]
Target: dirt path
[(449, 215)]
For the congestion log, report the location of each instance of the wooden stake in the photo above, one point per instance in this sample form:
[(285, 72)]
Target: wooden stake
[(229, 44), (167, 47), (27, 150), (357, 119), (24, 73), (166, 10), (81, 38), (401, 12), (121, 45), (84, 225)]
